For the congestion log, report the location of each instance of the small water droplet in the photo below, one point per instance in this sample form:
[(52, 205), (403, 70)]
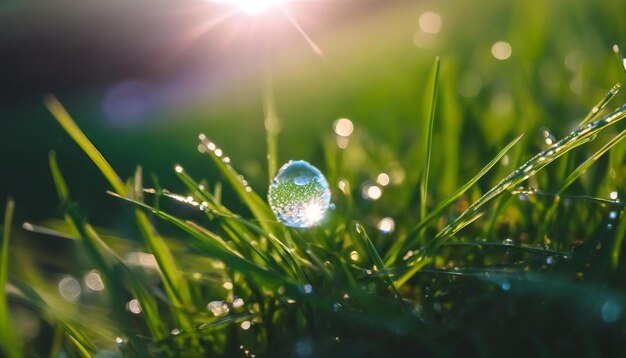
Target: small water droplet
[(69, 288), (218, 308), (245, 325), (354, 256), (175, 331), (238, 302), (506, 285), (613, 215), (550, 260), (508, 241), (306, 288), (337, 306), (386, 225), (299, 195)]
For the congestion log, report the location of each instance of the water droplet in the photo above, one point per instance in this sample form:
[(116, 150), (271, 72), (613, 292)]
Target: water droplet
[(613, 215), (383, 179), (611, 311), (550, 260), (336, 306), (307, 288), (299, 194), (69, 288), (354, 256), (228, 285), (93, 281), (238, 302), (613, 195), (371, 192), (386, 225), (245, 325), (343, 127), (506, 285), (175, 331), (508, 241), (218, 308)]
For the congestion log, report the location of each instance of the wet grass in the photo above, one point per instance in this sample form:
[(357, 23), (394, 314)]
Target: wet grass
[(523, 252)]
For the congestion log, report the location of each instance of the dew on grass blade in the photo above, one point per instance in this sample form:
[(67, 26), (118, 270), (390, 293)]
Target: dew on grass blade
[(299, 194)]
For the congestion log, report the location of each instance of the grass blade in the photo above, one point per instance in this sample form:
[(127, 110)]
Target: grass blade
[(174, 283), (272, 127), (9, 341), (400, 244), (373, 253), (429, 140), (590, 161), (532, 166), (66, 121)]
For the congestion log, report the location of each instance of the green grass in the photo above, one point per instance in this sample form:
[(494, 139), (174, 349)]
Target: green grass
[(323, 289), (502, 242)]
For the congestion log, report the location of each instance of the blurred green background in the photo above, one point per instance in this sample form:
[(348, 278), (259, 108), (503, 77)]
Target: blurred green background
[(142, 86)]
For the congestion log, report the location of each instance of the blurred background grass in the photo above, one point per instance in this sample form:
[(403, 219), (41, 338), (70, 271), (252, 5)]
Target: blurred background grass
[(119, 68)]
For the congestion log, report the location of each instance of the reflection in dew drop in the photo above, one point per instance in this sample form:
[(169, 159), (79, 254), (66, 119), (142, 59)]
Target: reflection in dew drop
[(383, 179), (299, 194), (613, 195), (386, 225), (508, 241), (69, 288)]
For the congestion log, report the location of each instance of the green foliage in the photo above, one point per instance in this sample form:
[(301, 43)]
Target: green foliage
[(467, 265)]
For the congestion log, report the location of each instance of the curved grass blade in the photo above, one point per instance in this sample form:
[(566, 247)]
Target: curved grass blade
[(100, 251), (373, 253), (532, 166), (398, 246), (600, 105), (574, 175), (65, 120), (175, 286), (214, 247), (10, 342)]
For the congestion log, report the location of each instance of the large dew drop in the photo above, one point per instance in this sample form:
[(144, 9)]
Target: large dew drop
[(299, 194)]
